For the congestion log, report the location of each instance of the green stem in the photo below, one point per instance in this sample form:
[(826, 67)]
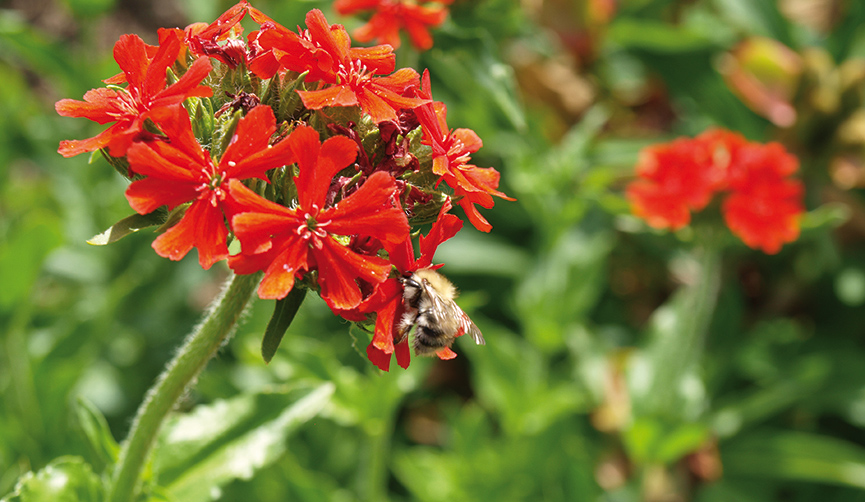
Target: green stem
[(200, 346), (379, 450), (678, 352)]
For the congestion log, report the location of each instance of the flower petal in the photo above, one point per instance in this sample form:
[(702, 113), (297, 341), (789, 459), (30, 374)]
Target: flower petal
[(370, 211)]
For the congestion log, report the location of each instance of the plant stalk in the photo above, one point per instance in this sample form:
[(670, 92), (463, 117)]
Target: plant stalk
[(200, 346), (679, 352)]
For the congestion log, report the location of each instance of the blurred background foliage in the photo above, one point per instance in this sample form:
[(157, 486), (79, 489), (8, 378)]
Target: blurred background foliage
[(589, 387)]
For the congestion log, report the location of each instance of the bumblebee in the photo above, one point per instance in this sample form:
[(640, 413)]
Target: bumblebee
[(430, 308)]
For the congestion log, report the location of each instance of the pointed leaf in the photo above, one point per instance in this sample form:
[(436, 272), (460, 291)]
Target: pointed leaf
[(198, 453), (95, 429), (283, 314), (795, 456), (128, 225)]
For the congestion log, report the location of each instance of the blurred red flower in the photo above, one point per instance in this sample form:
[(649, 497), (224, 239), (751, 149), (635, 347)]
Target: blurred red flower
[(391, 16), (286, 242), (674, 179), (763, 206), (145, 97), (179, 170)]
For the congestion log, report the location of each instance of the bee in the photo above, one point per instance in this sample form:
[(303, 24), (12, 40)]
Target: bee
[(430, 308)]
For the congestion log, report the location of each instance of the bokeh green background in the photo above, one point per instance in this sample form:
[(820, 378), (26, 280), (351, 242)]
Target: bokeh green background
[(581, 304)]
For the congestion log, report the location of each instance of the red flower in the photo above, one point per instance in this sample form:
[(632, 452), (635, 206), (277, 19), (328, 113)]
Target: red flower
[(349, 73), (451, 152), (213, 40), (180, 171), (674, 179), (387, 300), (391, 16), (146, 96), (765, 205), (286, 242)]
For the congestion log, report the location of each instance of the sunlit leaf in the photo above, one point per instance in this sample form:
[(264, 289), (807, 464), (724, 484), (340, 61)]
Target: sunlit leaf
[(794, 455), (65, 479), (231, 439), (128, 225)]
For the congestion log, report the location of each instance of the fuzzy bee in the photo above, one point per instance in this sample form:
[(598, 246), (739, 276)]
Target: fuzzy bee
[(430, 308)]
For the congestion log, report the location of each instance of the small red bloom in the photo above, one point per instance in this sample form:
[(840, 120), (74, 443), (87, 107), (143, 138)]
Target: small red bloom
[(451, 153), (764, 206), (674, 179), (348, 75), (145, 97), (214, 40), (391, 16), (180, 171), (287, 242)]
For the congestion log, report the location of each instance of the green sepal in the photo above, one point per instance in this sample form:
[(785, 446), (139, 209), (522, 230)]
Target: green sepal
[(129, 225), (201, 116), (289, 101), (225, 132), (270, 95), (283, 314)]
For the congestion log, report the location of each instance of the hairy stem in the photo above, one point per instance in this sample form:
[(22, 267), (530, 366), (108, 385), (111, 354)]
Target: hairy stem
[(200, 346)]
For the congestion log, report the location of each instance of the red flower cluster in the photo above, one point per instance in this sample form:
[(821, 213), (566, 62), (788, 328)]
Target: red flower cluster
[(311, 200), (763, 205), (391, 16)]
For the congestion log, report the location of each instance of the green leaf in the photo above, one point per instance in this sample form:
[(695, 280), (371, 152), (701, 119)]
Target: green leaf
[(563, 286), (95, 429), (128, 225), (283, 314), (755, 17), (65, 479), (22, 254), (798, 456), (656, 36), (465, 65), (650, 440), (198, 453)]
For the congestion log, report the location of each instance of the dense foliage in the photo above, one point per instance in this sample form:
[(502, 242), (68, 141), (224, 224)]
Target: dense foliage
[(653, 333)]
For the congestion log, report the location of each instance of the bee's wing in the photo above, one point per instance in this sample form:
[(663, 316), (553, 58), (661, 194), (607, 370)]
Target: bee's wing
[(467, 326)]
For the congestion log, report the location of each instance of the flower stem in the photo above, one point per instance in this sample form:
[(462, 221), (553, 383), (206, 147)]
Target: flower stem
[(677, 353), (200, 346)]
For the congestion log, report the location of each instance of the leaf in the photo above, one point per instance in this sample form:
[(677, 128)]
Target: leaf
[(65, 479), (466, 66), (95, 429), (563, 286), (21, 255), (283, 314), (198, 453), (656, 36), (650, 440), (128, 225), (796, 456)]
